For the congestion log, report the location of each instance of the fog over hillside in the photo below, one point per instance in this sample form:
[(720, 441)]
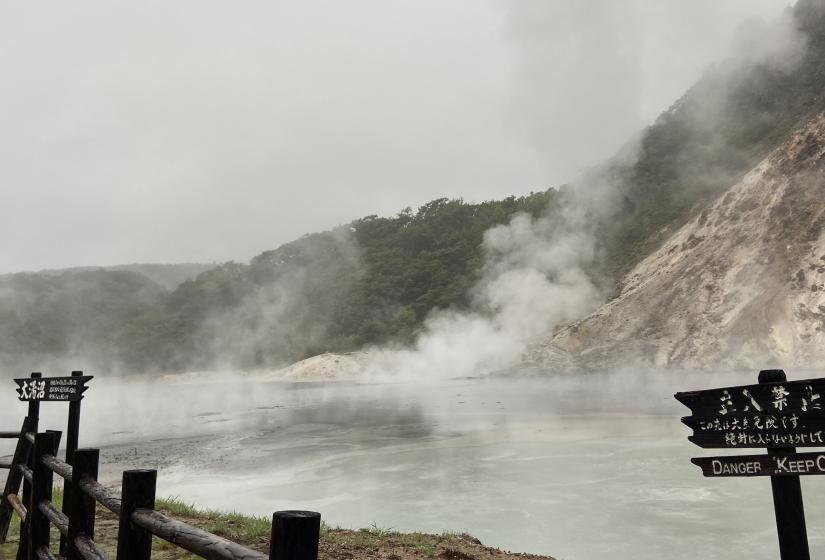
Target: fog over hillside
[(434, 270), (452, 287), (202, 132)]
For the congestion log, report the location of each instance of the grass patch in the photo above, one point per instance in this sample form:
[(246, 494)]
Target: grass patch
[(230, 525), (253, 531)]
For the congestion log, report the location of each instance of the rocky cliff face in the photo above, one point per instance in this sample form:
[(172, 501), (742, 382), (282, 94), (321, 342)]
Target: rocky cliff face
[(741, 285)]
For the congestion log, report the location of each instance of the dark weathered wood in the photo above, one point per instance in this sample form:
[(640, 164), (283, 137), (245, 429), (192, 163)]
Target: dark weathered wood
[(26, 472), (86, 548), (44, 554), (44, 444), (44, 389), (9, 435), (787, 496), (790, 516), (5, 465), (776, 413), (804, 397), (295, 535), (55, 517), (758, 422), (82, 514), (101, 494), (198, 541), (72, 438), (34, 416), (762, 465), (34, 408), (749, 439), (58, 467), (134, 542), (12, 485), (73, 428), (17, 505)]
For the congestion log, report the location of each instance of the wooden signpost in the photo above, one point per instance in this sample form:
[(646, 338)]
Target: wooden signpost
[(52, 388), (775, 414), (34, 390)]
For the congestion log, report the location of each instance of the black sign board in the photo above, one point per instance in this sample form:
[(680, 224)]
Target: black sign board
[(52, 388), (778, 414), (794, 464), (775, 414)]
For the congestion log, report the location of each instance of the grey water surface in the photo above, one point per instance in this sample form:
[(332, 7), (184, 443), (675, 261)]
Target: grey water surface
[(578, 468)]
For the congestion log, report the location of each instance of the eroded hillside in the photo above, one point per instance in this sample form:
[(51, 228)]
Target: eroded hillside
[(742, 284)]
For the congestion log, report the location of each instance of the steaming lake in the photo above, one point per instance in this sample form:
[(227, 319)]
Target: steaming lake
[(580, 468)]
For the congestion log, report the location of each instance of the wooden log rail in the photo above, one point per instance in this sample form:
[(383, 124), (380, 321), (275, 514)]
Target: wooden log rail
[(294, 534), (191, 538), (10, 497), (25, 471), (55, 516), (19, 508)]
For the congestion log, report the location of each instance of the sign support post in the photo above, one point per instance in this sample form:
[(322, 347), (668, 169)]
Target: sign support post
[(777, 415), (34, 418), (787, 497), (72, 435)]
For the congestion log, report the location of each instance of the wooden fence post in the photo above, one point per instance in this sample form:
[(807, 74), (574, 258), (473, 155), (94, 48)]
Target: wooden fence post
[(72, 436), (34, 420), (787, 497), (137, 492), (42, 479), (295, 535), (34, 406), (13, 479), (82, 512)]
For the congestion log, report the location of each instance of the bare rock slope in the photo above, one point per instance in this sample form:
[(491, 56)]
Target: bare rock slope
[(741, 285)]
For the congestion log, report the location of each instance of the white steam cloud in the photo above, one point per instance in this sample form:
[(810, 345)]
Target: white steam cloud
[(534, 280), (536, 276)]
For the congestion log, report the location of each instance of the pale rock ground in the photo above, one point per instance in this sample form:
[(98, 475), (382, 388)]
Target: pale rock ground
[(741, 285), (327, 366), (323, 367)]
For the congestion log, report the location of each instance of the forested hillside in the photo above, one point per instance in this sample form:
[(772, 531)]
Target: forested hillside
[(731, 119), (376, 279), (370, 281)]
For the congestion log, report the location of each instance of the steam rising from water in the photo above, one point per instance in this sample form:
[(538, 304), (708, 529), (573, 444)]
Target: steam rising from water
[(537, 272), (135, 409), (577, 466), (533, 280)]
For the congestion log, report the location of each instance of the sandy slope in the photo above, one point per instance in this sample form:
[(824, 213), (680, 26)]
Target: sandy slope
[(741, 285), (323, 367)]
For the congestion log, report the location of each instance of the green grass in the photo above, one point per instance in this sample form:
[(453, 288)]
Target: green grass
[(254, 531), (231, 525), (9, 548)]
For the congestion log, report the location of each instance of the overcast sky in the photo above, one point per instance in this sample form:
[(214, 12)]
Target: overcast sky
[(159, 131)]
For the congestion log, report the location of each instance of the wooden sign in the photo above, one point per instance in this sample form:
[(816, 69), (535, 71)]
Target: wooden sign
[(794, 464), (52, 388), (777, 414)]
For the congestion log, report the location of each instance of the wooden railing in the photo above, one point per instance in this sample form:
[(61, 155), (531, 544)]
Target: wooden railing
[(294, 534)]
